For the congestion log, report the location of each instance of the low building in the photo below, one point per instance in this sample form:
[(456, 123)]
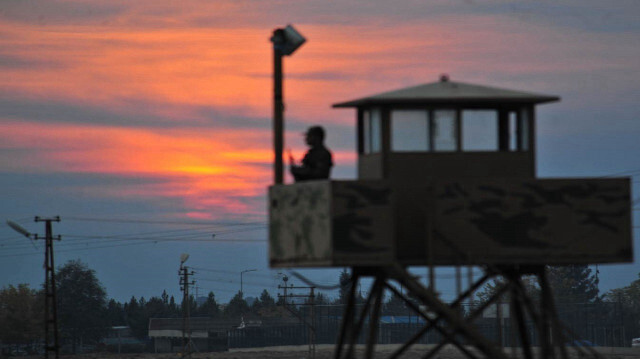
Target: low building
[(207, 334), (120, 339)]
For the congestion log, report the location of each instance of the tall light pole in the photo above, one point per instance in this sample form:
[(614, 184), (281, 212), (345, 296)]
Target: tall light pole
[(284, 280), (51, 343), (241, 273), (285, 42), (184, 286)]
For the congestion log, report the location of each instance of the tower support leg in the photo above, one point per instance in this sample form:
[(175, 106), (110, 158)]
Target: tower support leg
[(455, 327)]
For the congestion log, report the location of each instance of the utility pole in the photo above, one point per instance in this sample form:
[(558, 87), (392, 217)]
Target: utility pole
[(50, 301), (312, 328), (310, 302), (470, 284), (51, 343), (458, 280), (186, 330), (285, 42), (284, 279)]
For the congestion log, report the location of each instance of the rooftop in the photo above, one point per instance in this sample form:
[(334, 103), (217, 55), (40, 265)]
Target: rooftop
[(450, 92)]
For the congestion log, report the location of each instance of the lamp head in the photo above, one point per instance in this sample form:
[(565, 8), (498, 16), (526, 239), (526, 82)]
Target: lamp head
[(16, 227), (183, 258), (287, 40)]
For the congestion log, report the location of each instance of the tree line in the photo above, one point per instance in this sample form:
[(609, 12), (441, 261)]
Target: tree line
[(85, 313)]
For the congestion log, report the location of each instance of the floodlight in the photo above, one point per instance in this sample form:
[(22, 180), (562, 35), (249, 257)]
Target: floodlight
[(16, 227), (287, 40), (183, 258)]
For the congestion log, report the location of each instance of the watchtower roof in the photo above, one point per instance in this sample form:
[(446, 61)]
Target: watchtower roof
[(450, 92)]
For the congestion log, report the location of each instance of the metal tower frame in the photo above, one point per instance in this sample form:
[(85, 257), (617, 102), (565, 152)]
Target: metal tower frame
[(449, 320), (51, 342)]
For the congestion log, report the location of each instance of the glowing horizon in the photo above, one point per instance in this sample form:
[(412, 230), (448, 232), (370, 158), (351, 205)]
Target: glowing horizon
[(183, 94)]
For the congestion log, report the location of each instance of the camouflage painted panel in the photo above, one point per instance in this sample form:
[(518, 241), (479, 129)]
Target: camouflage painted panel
[(535, 221), (331, 223), (299, 224), (362, 223)]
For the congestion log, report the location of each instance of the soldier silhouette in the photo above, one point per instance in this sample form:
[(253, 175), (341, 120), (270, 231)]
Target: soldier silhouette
[(317, 162)]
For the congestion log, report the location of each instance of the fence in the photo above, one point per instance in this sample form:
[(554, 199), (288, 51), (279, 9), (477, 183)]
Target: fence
[(601, 324)]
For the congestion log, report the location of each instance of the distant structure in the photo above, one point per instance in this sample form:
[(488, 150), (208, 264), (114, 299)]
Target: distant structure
[(207, 335), (447, 176)]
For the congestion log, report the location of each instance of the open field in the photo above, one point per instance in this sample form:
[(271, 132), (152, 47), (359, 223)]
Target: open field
[(326, 352)]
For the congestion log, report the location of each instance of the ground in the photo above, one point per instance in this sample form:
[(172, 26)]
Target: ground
[(327, 351)]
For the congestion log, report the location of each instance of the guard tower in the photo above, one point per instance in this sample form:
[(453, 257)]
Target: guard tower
[(447, 176), (460, 160)]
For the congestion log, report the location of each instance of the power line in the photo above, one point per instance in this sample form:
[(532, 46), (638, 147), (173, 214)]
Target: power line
[(310, 283), (223, 290), (88, 245), (141, 241), (164, 237), (74, 250), (230, 281), (82, 241), (93, 219), (10, 239), (185, 237), (201, 269), (170, 234)]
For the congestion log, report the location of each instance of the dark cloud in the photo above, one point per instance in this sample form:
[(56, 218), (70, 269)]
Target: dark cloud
[(77, 193), (592, 15), (59, 12), (130, 113), (12, 62), (588, 15), (311, 75)]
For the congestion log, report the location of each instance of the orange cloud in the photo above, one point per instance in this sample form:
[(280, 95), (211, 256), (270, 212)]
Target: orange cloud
[(192, 163), (210, 170), (171, 63)]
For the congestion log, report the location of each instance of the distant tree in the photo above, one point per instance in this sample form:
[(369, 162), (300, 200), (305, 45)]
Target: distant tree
[(156, 308), (489, 289), (210, 307), (266, 300), (627, 299), (346, 283), (193, 306), (137, 318), (264, 305), (165, 297), (394, 306), (345, 286), (131, 307), (321, 298), (81, 303), (629, 296), (21, 314), (137, 312), (237, 306), (115, 313), (173, 307), (573, 284)]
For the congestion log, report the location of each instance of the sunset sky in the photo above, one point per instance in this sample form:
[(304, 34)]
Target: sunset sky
[(159, 113)]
